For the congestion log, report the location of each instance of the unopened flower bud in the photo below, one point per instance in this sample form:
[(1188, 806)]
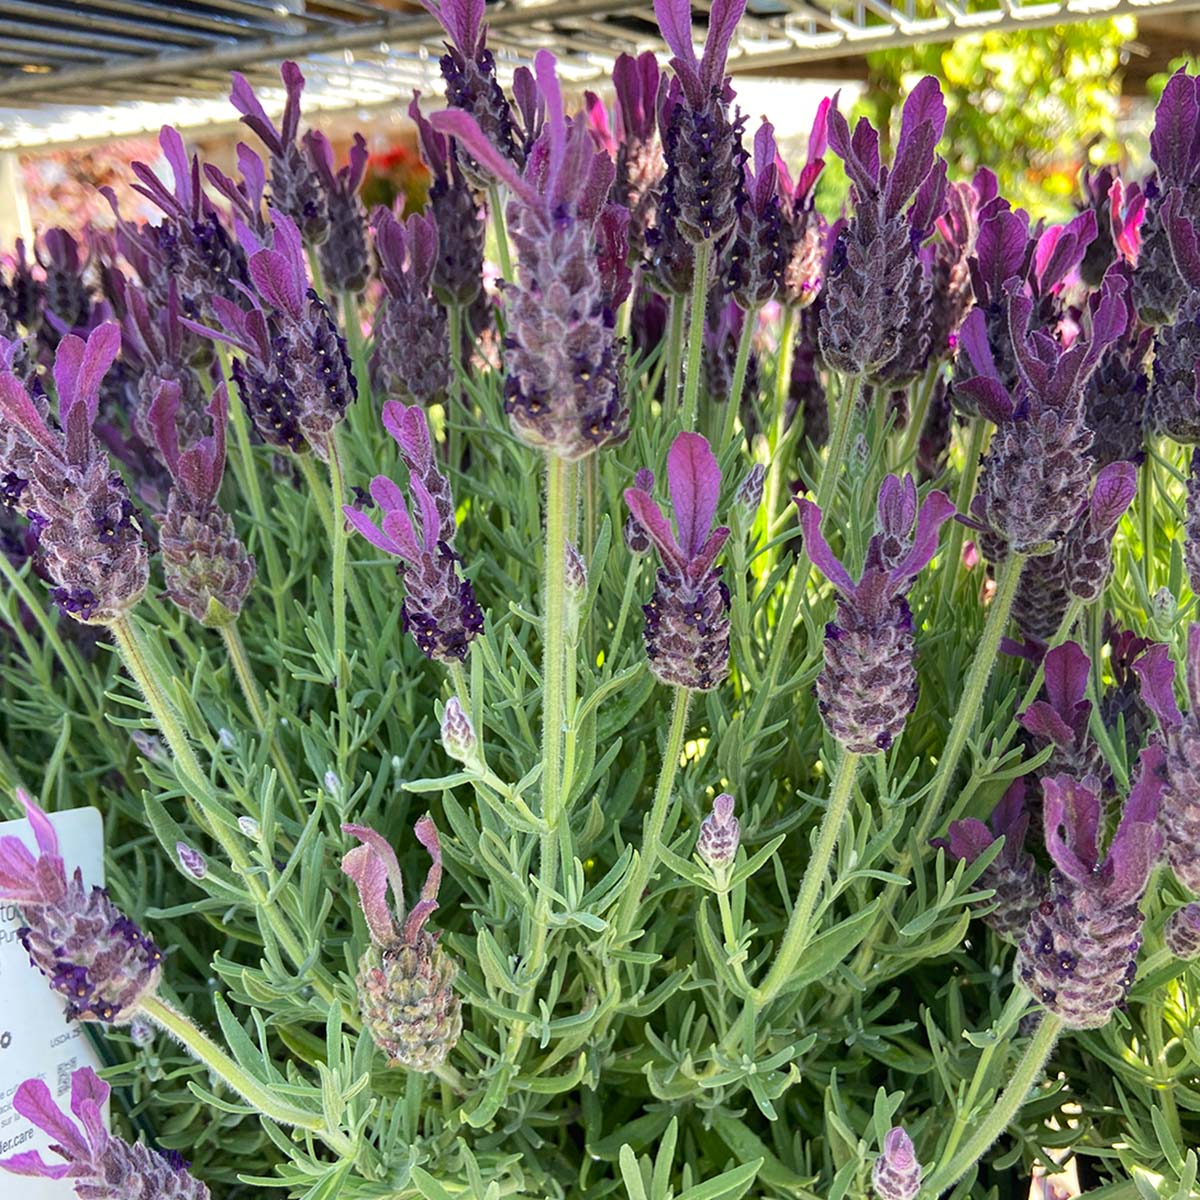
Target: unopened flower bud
[(750, 492), (191, 860), (897, 1173), (720, 834), (1182, 931), (141, 1032), (458, 734), (250, 827), (576, 575), (333, 785), (1164, 607)]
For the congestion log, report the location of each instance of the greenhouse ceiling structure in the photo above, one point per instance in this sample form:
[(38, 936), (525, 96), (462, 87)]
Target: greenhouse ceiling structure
[(117, 64)]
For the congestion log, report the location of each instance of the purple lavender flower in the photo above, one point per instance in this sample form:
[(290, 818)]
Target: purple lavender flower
[(207, 570), (410, 359), (896, 1174), (405, 979), (160, 348), (22, 296), (294, 376), (1061, 720), (806, 389), (1115, 397), (639, 156), (804, 229), (99, 1165), (1119, 211), (66, 293), (562, 388), (190, 245), (1158, 288), (1173, 403), (91, 953), (471, 85), (933, 445), (876, 294), (295, 186), (636, 538), (1179, 817), (1012, 874), (1079, 954), (345, 259), (687, 622), (440, 609), (869, 684), (461, 229), (756, 259), (947, 260), (92, 549), (722, 333), (702, 146), (720, 835), (1035, 475), (247, 195), (1181, 933)]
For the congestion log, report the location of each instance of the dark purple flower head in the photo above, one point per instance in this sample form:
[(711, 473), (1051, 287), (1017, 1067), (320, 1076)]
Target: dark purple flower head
[(22, 296), (877, 294), (92, 954), (67, 295), (190, 246), (1181, 933), (869, 684), (458, 272), (440, 609), (99, 1165), (295, 188), (375, 869), (471, 85), (637, 82), (1079, 953), (687, 624), (410, 360), (562, 390), (295, 378), (757, 257), (1012, 875), (345, 259), (804, 229), (92, 549)]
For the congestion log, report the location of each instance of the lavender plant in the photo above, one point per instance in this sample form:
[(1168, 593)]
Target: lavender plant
[(753, 866)]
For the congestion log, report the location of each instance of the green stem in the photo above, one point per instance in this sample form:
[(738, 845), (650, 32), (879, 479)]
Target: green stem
[(1026, 1074), (782, 633), (740, 366), (236, 648), (1164, 1085), (674, 352), (1145, 500), (783, 379), (643, 868), (698, 311), (799, 931), (501, 231), (133, 653), (337, 533), (986, 653), (917, 415), (1013, 1011), (252, 1090), (952, 554), (632, 578), (731, 941)]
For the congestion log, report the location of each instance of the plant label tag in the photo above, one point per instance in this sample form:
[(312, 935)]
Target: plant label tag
[(36, 1039)]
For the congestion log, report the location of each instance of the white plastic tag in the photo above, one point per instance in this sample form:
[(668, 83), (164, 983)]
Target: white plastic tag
[(36, 1039)]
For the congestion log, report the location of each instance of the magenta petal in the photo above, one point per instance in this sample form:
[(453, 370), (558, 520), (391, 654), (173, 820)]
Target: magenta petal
[(34, 1102), (723, 18), (675, 23), (32, 1163), (427, 834), (367, 870), (386, 854), (431, 521), (1116, 485), (650, 517), (276, 283), (1067, 670), (88, 1095), (817, 548), (161, 417), (1156, 677), (463, 126), (17, 408), (1192, 667), (1173, 142), (935, 512), (1072, 816), (43, 830), (365, 526), (968, 839), (694, 479), (1042, 721), (18, 871)]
